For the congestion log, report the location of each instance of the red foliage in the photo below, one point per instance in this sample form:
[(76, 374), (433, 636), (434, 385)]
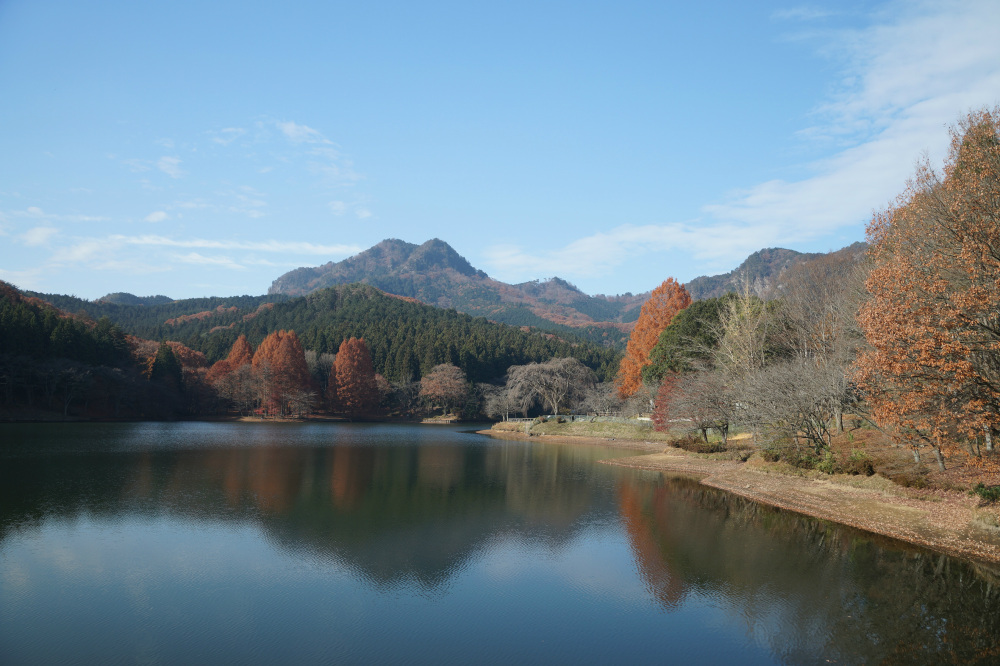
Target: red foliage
[(352, 385), (663, 305)]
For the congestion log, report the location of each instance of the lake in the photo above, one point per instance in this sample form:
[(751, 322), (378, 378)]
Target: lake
[(382, 543)]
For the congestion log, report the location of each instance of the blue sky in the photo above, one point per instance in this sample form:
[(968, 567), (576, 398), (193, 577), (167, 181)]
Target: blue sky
[(191, 148)]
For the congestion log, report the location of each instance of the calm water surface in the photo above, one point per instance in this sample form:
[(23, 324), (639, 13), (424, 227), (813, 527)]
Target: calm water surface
[(253, 543)]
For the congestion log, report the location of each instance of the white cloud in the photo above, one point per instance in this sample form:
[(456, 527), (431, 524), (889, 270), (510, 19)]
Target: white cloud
[(37, 214), (82, 250), (32, 278), (38, 235), (193, 204), (601, 253), (338, 208), (227, 135), (290, 247), (363, 213), (904, 82), (202, 260), (301, 133), (138, 165), (802, 13), (156, 216), (170, 166), (131, 266)]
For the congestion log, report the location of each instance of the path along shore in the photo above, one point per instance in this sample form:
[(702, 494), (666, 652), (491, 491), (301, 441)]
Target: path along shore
[(950, 522)]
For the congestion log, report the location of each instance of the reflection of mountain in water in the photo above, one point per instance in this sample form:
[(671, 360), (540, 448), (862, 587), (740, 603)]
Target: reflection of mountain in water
[(805, 587), (393, 514)]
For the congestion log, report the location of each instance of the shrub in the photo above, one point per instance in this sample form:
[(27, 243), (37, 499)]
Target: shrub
[(829, 464), (859, 463), (770, 455), (695, 444), (986, 493)]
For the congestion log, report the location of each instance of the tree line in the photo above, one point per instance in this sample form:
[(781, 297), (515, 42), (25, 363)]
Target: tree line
[(908, 339), (417, 358)]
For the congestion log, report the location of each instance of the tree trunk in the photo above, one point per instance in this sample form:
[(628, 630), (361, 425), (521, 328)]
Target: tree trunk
[(989, 438), (704, 434), (916, 455), (939, 457), (840, 419)]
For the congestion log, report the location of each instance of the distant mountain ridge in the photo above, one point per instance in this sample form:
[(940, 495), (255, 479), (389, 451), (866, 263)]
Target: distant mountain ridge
[(763, 271), (436, 274)]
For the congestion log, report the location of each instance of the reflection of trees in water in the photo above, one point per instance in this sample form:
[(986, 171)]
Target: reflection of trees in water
[(805, 587), (412, 513)]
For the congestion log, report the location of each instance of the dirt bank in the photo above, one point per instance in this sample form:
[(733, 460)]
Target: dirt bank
[(951, 522)]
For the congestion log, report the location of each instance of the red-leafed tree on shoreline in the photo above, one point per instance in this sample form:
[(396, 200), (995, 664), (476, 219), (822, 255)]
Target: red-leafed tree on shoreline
[(664, 303), (282, 373), (352, 387)]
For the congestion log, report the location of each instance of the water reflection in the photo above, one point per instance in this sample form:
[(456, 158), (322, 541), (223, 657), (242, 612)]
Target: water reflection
[(805, 587), (393, 513), (457, 541)]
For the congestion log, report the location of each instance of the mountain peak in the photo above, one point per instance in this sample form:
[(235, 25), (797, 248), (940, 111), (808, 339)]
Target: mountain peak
[(381, 265)]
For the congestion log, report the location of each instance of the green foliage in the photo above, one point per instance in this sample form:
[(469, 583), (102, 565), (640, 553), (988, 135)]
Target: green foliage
[(149, 318), (857, 463), (987, 493), (166, 368), (408, 339), (37, 331), (688, 338)]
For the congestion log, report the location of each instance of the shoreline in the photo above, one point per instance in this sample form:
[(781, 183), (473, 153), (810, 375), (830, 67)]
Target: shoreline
[(942, 521)]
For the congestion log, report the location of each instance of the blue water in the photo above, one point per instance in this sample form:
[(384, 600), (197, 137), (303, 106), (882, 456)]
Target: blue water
[(288, 543)]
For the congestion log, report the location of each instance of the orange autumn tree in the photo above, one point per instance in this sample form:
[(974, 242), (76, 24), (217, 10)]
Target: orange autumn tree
[(233, 377), (352, 387), (663, 305), (282, 373), (932, 372)]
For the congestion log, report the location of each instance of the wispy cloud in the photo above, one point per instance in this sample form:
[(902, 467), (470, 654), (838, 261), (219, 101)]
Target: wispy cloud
[(38, 236), (33, 278), (802, 13), (289, 247), (301, 133), (170, 166), (601, 253), (36, 214), (156, 216), (202, 260), (81, 250), (904, 81), (227, 135)]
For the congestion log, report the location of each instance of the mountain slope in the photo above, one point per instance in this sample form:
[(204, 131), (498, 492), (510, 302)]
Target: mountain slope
[(763, 270), (434, 273), (437, 275)]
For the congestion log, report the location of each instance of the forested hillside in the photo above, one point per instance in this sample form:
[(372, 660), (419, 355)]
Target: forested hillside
[(160, 320), (406, 338)]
